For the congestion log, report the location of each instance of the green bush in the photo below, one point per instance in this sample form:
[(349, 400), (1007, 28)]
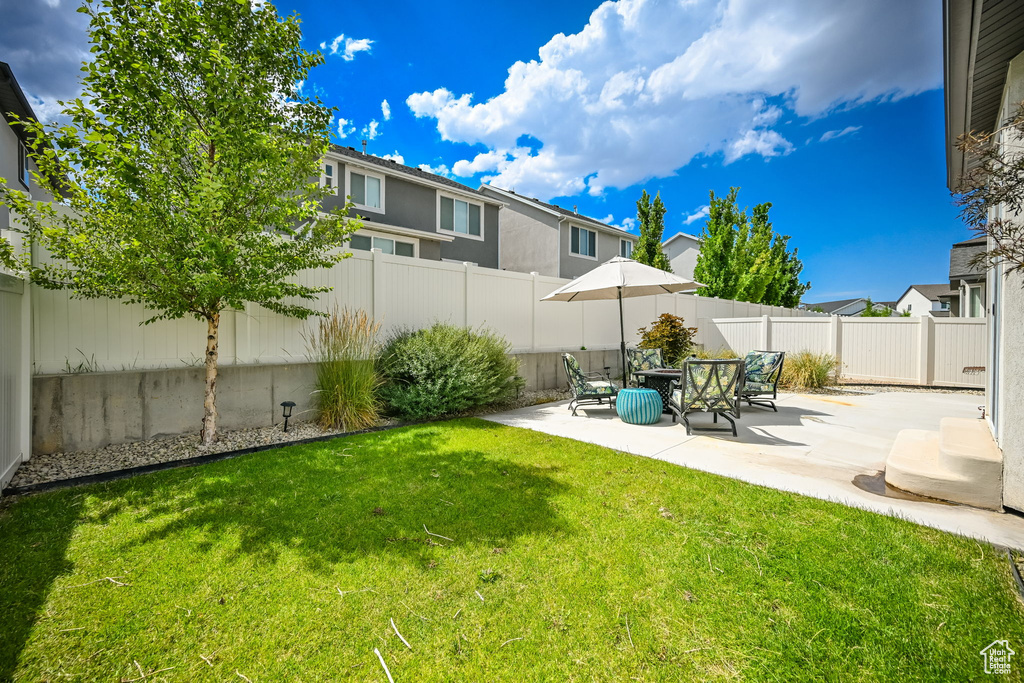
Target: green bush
[(345, 348), (714, 354), (806, 370), (671, 335), (446, 369)]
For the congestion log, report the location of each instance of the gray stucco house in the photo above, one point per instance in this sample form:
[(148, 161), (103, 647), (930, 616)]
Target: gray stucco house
[(15, 160), (410, 212), (537, 237), (682, 251)]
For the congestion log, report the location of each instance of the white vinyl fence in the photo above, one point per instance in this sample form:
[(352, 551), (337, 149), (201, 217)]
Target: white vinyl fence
[(925, 350), (15, 377), (104, 334)]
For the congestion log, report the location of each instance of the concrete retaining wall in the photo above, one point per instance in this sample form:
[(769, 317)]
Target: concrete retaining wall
[(83, 411)]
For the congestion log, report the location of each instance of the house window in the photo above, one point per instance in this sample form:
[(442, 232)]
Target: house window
[(24, 174), (366, 191), (584, 242), (460, 217), (944, 306), (977, 304), (387, 245), (625, 249), (328, 180)]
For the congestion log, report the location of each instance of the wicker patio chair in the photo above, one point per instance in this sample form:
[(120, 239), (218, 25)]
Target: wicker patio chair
[(639, 360), (587, 388), (708, 386), (762, 370)]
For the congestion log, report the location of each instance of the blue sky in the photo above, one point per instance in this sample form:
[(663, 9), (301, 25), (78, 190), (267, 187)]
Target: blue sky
[(832, 111)]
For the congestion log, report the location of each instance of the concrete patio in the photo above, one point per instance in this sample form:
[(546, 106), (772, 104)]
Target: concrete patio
[(816, 445)]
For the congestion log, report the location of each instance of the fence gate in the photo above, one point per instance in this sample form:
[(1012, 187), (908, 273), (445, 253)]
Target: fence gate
[(15, 378)]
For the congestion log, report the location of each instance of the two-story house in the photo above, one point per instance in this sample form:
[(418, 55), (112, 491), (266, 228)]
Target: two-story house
[(410, 212), (967, 279), (682, 251), (16, 161), (922, 300), (537, 237)]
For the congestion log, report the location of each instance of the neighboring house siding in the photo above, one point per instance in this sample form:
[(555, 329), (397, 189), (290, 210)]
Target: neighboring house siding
[(529, 238), (682, 254), (9, 170), (574, 265), (918, 303), (483, 252), (406, 204)]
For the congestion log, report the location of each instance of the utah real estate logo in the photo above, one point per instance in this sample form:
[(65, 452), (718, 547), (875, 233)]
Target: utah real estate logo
[(997, 657)]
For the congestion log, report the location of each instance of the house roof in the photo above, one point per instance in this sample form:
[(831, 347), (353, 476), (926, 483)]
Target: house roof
[(980, 38), (930, 292), (833, 306), (558, 210), (972, 242), (402, 169), (13, 100), (961, 255), (676, 236)]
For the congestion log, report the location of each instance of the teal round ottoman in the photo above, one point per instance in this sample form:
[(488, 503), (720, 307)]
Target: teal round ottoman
[(638, 406)]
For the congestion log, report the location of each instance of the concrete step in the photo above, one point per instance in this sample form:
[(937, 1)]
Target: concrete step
[(966, 447), (962, 474)]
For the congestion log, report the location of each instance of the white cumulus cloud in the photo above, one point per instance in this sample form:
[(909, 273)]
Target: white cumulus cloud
[(395, 157), (646, 86), (345, 128), (440, 169), (370, 130), (346, 47), (385, 110)]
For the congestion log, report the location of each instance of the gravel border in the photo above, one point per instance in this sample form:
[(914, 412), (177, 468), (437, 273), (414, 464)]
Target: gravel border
[(138, 457)]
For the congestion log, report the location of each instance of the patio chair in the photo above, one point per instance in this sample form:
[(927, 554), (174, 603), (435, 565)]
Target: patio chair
[(639, 360), (709, 386), (762, 370), (587, 387)]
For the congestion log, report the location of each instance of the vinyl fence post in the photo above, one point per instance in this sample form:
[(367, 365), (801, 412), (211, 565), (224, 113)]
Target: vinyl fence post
[(465, 302), (533, 314), (836, 341), (766, 333), (926, 350), (377, 283)]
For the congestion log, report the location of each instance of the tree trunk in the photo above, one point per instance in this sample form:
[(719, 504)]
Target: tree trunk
[(209, 432)]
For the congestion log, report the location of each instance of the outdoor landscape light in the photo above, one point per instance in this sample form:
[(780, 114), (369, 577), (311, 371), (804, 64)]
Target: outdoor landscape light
[(286, 412)]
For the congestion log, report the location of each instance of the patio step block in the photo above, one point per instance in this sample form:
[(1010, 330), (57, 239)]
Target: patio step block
[(953, 464)]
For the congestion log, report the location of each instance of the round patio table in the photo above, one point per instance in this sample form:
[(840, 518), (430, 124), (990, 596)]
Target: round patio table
[(659, 379)]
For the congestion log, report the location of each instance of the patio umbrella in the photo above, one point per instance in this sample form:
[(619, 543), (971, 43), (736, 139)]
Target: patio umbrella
[(621, 278)]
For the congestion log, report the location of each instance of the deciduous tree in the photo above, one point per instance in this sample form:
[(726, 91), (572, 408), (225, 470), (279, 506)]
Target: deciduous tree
[(191, 166), (651, 217)]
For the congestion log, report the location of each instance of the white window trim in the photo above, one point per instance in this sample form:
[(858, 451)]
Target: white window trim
[(457, 198), (387, 236), (334, 175), (583, 256), (24, 168), (348, 187)]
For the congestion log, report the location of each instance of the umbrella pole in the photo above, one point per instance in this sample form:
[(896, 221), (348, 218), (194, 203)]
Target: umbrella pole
[(622, 332)]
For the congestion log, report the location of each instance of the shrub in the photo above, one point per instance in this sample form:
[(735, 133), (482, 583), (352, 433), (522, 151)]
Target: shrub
[(446, 369), (345, 349), (669, 334), (713, 354), (806, 370)]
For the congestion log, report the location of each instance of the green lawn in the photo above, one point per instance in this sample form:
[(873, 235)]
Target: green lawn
[(592, 565)]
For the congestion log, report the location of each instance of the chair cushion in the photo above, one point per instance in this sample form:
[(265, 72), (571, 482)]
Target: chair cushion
[(760, 366), (600, 388), (758, 387), (644, 359)]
